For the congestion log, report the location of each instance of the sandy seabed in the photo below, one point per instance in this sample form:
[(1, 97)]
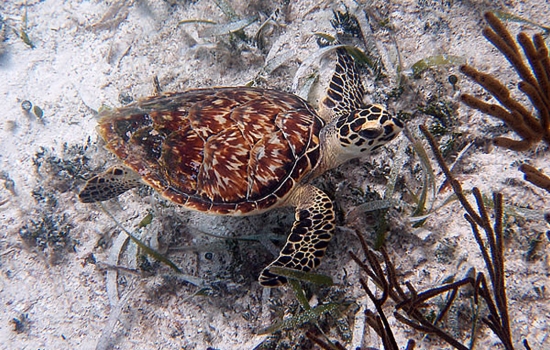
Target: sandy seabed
[(58, 285)]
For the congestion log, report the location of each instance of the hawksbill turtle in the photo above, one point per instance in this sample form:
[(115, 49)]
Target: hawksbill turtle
[(244, 150)]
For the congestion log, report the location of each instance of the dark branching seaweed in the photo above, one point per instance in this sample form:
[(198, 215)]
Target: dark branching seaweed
[(534, 71), (323, 344), (410, 305), (492, 250)]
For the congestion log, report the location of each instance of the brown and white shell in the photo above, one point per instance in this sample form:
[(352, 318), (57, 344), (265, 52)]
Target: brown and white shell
[(234, 150)]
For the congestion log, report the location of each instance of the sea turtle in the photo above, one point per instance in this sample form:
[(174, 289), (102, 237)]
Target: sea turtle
[(244, 150)]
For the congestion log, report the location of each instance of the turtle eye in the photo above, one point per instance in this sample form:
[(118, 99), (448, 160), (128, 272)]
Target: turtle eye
[(371, 133)]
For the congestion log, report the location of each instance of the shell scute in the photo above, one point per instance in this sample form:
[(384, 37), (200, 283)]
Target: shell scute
[(268, 164), (294, 126), (268, 202), (150, 141), (125, 127), (223, 175), (167, 122), (300, 168), (285, 188), (210, 116), (182, 157), (255, 119)]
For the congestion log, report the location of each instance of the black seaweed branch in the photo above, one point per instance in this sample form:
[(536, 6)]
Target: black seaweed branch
[(411, 305), (492, 250)]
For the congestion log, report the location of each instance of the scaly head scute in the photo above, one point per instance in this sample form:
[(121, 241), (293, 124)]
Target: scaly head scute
[(365, 130)]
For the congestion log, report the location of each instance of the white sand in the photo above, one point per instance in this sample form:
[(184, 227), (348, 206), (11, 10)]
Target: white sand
[(81, 62)]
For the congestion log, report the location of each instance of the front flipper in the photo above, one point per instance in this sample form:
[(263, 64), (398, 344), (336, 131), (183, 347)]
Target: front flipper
[(107, 185), (309, 237), (345, 91)]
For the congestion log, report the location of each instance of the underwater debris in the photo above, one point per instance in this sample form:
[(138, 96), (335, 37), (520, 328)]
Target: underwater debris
[(29, 110), (433, 61), (50, 233), (37, 111), (63, 170), (48, 227), (114, 16), (227, 28), (9, 184), (125, 98), (26, 105), (267, 29), (453, 80), (23, 30), (20, 324), (505, 16), (443, 111)]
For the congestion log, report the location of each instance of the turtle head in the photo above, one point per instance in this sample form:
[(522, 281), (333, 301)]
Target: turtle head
[(365, 130)]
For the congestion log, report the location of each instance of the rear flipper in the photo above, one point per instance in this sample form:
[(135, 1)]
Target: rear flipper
[(309, 237), (107, 185)]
